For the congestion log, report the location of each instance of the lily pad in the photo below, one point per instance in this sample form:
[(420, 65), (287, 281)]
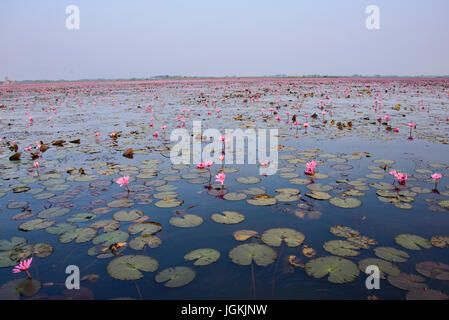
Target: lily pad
[(261, 254), (391, 254), (175, 277), (235, 196), (242, 235), (412, 242), (347, 203), (406, 281), (138, 243), (36, 224), (108, 238), (434, 270), (146, 228), (341, 248), (385, 267), (339, 270), (228, 217), (53, 212), (274, 237), (123, 215), (426, 294), (186, 221), (203, 257), (319, 195), (248, 180), (169, 203), (80, 235), (14, 289), (262, 200), (129, 267)]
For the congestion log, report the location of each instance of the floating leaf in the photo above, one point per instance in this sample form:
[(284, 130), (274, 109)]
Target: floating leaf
[(391, 254), (127, 216), (175, 277), (235, 196), (261, 254), (203, 257), (242, 235), (262, 200), (53, 212), (81, 217), (440, 241), (274, 237), (109, 238), (129, 267), (186, 221), (339, 270), (346, 203), (319, 195), (341, 248), (228, 217), (146, 228), (412, 242), (168, 203), (138, 243), (248, 180), (14, 289), (80, 235), (35, 224), (121, 203), (406, 281), (435, 270), (15, 242), (385, 267)]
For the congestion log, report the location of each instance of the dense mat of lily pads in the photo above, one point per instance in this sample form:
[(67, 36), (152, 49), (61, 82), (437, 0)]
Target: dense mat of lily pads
[(86, 180)]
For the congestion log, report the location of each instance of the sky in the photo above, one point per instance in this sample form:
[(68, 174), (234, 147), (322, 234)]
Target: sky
[(145, 38)]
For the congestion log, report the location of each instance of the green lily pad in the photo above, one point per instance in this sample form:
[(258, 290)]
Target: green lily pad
[(169, 203), (175, 277), (228, 217), (127, 216), (15, 242), (274, 237), (262, 200), (80, 235), (339, 270), (287, 197), (342, 248), (35, 224), (242, 235), (391, 254), (14, 289), (248, 180), (319, 195), (60, 228), (138, 243), (81, 217), (344, 231), (421, 190), (107, 225), (108, 238), (347, 203), (235, 196), (53, 212), (121, 203), (146, 228), (261, 254), (385, 267), (203, 257), (186, 221), (412, 242), (129, 267), (444, 204)]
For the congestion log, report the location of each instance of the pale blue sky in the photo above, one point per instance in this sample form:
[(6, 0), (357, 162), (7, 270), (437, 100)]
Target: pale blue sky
[(143, 38)]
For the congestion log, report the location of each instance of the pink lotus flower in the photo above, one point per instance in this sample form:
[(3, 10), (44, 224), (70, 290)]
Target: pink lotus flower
[(306, 125), (264, 164), (200, 165), (220, 177), (123, 181), (396, 129), (156, 134), (310, 167), (24, 265), (411, 125), (402, 177), (436, 177), (36, 165), (97, 134), (113, 134), (387, 118)]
